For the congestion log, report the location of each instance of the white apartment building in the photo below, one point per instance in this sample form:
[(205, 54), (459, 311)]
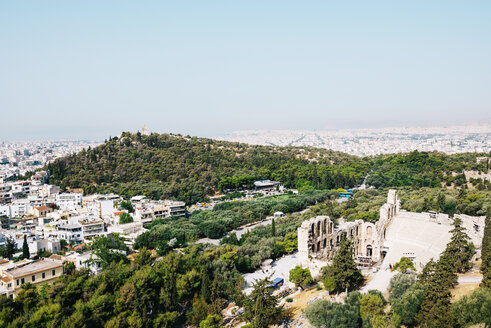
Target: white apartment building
[(71, 232), (69, 201), (21, 187), (92, 228), (19, 208), (5, 193), (43, 245)]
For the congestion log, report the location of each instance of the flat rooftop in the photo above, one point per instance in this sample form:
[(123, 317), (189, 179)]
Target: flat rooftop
[(33, 267)]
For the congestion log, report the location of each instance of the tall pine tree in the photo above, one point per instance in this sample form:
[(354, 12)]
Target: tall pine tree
[(435, 310), (460, 248), (261, 306), (343, 273)]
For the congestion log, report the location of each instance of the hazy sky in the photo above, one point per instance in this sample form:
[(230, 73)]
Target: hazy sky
[(90, 69)]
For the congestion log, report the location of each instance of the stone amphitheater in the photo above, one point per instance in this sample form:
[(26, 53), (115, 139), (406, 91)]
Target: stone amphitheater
[(397, 233)]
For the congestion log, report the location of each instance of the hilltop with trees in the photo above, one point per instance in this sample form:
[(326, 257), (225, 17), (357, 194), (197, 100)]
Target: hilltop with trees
[(191, 169)]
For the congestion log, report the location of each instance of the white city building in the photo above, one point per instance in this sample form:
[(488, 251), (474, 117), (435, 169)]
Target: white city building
[(69, 201)]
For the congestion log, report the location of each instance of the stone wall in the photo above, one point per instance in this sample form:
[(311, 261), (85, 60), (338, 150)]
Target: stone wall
[(474, 226), (319, 238)]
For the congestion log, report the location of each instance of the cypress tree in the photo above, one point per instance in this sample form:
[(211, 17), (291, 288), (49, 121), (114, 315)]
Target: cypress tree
[(25, 249), (273, 228), (486, 253), (10, 248)]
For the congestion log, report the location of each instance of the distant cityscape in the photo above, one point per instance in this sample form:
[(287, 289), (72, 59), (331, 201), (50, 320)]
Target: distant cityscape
[(19, 157), (366, 142)]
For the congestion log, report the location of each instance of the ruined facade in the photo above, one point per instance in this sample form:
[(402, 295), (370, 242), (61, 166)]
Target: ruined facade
[(319, 238)]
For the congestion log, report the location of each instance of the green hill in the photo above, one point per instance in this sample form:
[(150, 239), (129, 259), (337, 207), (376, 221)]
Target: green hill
[(190, 168)]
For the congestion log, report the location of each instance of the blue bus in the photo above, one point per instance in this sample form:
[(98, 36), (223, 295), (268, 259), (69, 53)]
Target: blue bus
[(277, 282)]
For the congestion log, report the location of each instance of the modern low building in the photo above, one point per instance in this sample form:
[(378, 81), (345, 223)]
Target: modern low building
[(41, 211), (267, 185), (176, 208), (36, 272), (44, 245)]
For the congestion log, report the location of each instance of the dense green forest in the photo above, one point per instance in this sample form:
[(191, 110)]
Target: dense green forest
[(190, 168), (425, 169)]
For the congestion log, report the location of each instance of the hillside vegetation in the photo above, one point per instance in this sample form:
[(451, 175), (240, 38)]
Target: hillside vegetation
[(425, 169), (190, 168)]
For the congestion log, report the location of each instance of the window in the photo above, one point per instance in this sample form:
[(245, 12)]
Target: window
[(17, 282), (21, 281), (53, 271), (33, 278), (43, 275)]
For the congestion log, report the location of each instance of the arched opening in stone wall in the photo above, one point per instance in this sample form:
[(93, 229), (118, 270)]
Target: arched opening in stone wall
[(324, 230), (312, 230), (369, 250), (318, 228), (325, 242), (318, 246), (369, 231)]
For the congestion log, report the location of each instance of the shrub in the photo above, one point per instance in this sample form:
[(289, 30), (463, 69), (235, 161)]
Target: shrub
[(399, 284), (404, 265), (301, 277), (125, 218)]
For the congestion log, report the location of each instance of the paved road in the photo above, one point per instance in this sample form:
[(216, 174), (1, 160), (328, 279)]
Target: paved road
[(470, 280), (239, 232), (380, 280)]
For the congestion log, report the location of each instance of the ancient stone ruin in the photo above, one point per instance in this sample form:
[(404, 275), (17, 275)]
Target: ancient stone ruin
[(319, 238)]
